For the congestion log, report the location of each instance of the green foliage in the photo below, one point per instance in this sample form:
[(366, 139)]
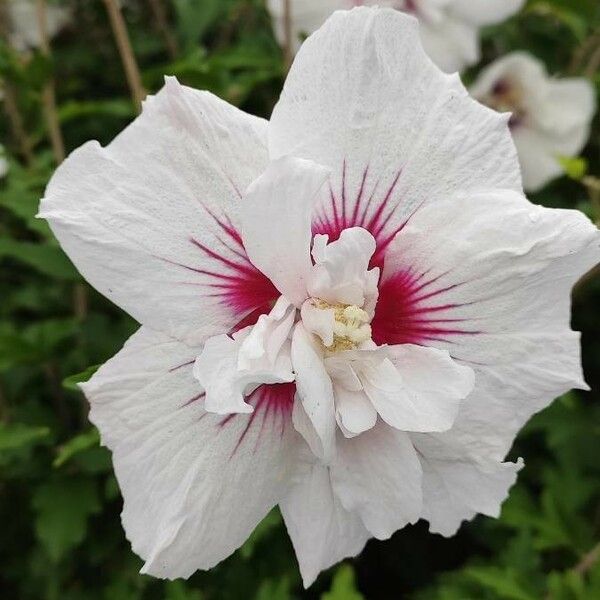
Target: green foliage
[(61, 536), (62, 510), (343, 586)]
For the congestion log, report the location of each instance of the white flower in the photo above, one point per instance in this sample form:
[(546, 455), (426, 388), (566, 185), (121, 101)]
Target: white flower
[(24, 26), (449, 28), (551, 118), (381, 379)]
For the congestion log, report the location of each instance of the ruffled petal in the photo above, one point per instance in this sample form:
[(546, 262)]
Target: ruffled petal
[(485, 12), (354, 412), (194, 484), (276, 223), (423, 395), (488, 279), (436, 383), (340, 273), (378, 476), (457, 488), (322, 531), (315, 394), (149, 220), (396, 134)]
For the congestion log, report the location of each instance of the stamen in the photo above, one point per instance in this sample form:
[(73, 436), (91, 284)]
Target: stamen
[(351, 328)]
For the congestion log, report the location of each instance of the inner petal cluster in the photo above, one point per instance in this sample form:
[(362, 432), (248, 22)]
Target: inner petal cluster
[(351, 325)]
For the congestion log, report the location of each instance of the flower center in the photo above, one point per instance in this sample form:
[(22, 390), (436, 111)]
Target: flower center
[(507, 96), (351, 325)]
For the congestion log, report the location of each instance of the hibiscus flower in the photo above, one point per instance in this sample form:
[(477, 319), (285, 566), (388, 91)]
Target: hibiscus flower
[(449, 28), (24, 27), (348, 311), (551, 118)]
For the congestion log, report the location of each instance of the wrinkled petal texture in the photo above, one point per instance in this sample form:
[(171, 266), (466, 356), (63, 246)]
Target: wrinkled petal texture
[(488, 280), (322, 531), (392, 146), (276, 223), (149, 220), (194, 484)]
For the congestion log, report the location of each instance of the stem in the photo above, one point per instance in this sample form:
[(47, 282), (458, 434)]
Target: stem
[(132, 72), (48, 94), (160, 16), (80, 301), (287, 34), (588, 560), (16, 123), (593, 64)]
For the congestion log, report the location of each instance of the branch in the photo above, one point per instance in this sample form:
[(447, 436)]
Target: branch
[(132, 72)]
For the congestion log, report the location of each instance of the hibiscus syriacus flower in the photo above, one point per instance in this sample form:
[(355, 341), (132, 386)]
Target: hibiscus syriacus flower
[(24, 26), (348, 311), (551, 118), (449, 28)]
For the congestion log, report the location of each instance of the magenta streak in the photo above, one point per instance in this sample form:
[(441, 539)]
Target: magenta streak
[(244, 289), (273, 400), (194, 399), (185, 364), (373, 215), (401, 318)]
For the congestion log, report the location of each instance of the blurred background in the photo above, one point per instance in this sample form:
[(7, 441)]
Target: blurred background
[(60, 534)]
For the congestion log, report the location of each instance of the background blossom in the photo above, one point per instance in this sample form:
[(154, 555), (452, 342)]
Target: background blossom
[(449, 28), (551, 117)]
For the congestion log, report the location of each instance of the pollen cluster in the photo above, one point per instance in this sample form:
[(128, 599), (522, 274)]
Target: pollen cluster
[(351, 326)]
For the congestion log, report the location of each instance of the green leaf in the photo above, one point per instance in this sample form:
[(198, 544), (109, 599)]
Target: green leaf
[(575, 167), (14, 436), (83, 441), (72, 381), (504, 582), (269, 523), (343, 586), (179, 590), (274, 590), (49, 260), (62, 510)]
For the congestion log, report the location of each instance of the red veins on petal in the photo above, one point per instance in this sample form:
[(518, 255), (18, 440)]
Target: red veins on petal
[(372, 209), (272, 407), (234, 280), (411, 310)]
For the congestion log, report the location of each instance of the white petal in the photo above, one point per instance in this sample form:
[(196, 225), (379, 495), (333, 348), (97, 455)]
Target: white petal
[(315, 392), (488, 278), (230, 368), (320, 321), (216, 370), (194, 484), (538, 158), (276, 223), (436, 383), (414, 405), (457, 488), (148, 219), (340, 273), (378, 476), (571, 106), (396, 134), (322, 531), (261, 348), (485, 12), (306, 17), (353, 411), (451, 43)]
